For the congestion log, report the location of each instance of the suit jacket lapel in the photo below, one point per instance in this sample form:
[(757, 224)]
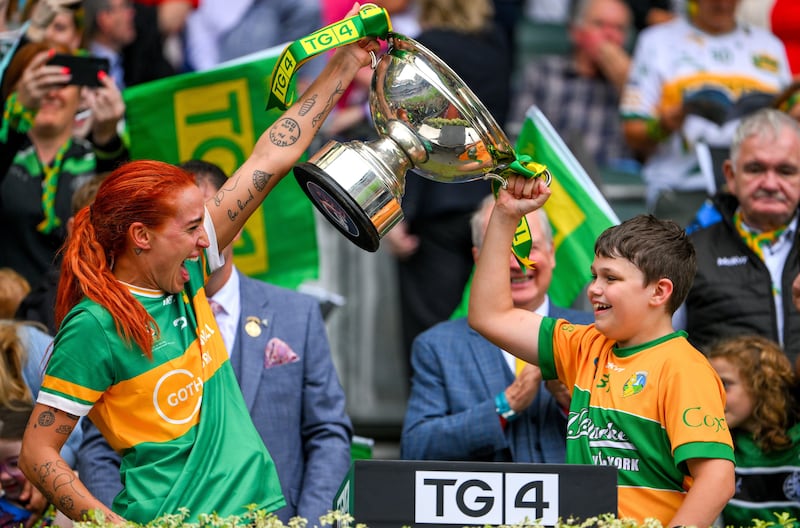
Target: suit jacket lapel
[(251, 348)]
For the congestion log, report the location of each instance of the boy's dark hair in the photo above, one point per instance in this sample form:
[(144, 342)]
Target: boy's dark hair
[(205, 171), (659, 248)]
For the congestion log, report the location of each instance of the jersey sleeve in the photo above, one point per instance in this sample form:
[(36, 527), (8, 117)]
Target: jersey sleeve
[(694, 405), (562, 349), (80, 368)]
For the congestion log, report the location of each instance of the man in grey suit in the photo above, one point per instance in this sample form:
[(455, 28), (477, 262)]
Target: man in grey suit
[(466, 401), (280, 354)]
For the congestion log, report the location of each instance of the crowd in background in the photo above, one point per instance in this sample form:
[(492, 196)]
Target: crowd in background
[(658, 92)]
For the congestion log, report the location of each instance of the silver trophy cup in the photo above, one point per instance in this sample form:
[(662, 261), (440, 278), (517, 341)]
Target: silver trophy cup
[(428, 120)]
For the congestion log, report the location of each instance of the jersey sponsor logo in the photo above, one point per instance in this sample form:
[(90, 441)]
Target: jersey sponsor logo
[(623, 463), (607, 435), (169, 299), (635, 384), (612, 366), (177, 396), (727, 262), (766, 62), (567, 327), (697, 417), (791, 486)]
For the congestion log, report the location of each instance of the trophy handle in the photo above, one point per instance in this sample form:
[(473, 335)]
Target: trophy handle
[(503, 182)]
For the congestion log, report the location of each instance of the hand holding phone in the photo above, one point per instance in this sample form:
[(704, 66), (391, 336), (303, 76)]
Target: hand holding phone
[(83, 69)]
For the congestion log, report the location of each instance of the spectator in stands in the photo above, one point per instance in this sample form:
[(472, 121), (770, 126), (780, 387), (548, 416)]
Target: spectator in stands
[(23, 349), (109, 29), (762, 413), (650, 12), (39, 305), (41, 162), (580, 93), (780, 17), (472, 401), (13, 289), (221, 30), (66, 29), (127, 34), (747, 251), (664, 106)]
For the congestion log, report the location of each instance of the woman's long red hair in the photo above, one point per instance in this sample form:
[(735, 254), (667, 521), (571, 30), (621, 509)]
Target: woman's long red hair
[(139, 191)]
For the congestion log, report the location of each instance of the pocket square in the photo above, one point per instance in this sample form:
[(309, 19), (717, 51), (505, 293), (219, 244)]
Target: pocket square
[(278, 353)]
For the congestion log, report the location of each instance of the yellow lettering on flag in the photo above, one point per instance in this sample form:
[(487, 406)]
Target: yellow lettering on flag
[(565, 215), (214, 122), (283, 74), (329, 37), (522, 234)]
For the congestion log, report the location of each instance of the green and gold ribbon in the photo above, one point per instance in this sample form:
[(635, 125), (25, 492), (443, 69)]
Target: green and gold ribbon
[(754, 240), (16, 117), (51, 173), (523, 240), (371, 21)]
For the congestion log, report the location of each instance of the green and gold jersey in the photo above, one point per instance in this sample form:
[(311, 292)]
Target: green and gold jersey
[(179, 420), (645, 410), (766, 483)]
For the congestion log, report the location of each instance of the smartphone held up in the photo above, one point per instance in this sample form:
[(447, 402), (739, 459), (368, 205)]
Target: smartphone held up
[(83, 69)]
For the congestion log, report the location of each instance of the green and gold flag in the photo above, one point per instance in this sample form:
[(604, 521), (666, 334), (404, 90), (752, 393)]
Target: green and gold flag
[(577, 210), (217, 115)]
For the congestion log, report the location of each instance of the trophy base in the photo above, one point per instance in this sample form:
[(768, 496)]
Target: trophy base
[(338, 206)]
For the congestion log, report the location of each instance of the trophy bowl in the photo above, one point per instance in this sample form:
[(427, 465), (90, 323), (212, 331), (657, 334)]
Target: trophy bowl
[(428, 120)]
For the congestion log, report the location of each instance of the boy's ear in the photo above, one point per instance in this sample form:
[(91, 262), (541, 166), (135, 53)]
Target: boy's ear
[(662, 291)]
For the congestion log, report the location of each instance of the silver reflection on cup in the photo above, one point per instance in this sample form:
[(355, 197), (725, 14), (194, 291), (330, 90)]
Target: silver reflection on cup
[(428, 120)]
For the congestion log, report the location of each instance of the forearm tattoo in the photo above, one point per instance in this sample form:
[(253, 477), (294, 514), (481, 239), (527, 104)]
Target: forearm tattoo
[(307, 105), (55, 478), (285, 132), (321, 116), (229, 186), (57, 481), (261, 179)]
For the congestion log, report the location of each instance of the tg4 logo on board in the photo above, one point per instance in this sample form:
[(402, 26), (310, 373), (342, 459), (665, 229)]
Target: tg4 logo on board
[(476, 498)]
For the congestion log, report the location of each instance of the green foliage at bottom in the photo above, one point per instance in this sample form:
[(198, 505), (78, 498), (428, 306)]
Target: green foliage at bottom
[(255, 518)]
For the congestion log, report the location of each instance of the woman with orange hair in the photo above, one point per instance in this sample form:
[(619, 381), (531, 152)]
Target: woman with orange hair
[(138, 349)]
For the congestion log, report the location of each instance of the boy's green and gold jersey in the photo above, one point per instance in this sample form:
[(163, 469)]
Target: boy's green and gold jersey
[(645, 409)]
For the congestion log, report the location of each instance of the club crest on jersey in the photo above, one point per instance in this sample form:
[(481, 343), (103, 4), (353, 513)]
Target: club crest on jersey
[(765, 62), (635, 384)]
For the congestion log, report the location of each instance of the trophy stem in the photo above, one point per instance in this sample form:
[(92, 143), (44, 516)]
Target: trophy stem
[(358, 186)]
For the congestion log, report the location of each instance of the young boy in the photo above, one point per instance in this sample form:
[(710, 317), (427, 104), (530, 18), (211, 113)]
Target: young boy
[(643, 399)]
